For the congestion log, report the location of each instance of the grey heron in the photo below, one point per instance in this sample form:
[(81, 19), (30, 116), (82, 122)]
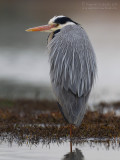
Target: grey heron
[(72, 66)]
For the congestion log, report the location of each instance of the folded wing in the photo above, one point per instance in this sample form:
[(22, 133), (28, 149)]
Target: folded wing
[(72, 71)]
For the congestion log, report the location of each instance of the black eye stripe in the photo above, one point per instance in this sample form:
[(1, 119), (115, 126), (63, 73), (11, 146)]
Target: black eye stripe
[(63, 20)]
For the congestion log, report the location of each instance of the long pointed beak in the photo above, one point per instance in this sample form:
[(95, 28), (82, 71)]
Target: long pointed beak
[(45, 28)]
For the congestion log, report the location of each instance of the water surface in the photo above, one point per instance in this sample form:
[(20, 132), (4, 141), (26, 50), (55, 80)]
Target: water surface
[(56, 151)]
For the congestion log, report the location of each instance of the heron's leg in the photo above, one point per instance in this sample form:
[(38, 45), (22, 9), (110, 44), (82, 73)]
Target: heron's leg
[(70, 137)]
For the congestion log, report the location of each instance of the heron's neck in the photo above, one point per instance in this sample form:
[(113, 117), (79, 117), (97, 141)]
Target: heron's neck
[(52, 35), (57, 31)]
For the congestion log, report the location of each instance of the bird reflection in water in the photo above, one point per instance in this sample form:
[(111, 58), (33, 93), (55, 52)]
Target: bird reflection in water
[(75, 155), (70, 145)]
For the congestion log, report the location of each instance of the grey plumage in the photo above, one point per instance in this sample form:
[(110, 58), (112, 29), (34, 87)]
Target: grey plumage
[(72, 71), (72, 66)]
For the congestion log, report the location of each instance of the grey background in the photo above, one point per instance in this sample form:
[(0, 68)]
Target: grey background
[(24, 67)]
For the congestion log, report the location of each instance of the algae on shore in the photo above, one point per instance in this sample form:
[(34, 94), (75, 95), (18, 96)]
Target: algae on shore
[(42, 119)]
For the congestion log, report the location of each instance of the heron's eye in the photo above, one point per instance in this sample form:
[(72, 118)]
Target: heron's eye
[(56, 24)]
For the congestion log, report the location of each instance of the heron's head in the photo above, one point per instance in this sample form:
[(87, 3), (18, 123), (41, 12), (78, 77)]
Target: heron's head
[(54, 24)]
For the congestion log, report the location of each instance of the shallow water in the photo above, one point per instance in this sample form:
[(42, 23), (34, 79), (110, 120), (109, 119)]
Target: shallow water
[(58, 151)]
